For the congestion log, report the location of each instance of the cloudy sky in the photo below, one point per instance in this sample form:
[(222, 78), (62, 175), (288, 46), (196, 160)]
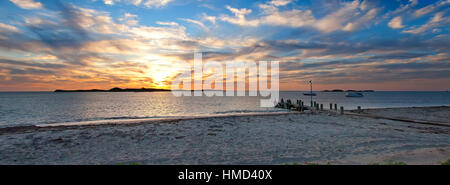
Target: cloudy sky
[(84, 44)]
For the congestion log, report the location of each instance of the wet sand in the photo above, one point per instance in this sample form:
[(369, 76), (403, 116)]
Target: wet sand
[(279, 138), (421, 114)]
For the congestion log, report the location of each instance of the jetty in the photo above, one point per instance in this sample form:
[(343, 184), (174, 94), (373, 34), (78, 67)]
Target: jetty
[(300, 106), (333, 108)]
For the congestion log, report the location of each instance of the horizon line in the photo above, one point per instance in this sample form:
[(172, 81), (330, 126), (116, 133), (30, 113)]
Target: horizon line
[(279, 90)]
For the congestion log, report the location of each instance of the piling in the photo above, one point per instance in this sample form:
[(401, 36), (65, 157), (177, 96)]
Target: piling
[(321, 106), (331, 106), (335, 107), (342, 110)]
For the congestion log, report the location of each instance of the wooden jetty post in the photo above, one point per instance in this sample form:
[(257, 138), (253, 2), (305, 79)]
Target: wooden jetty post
[(342, 110), (331, 106), (335, 107), (321, 106)]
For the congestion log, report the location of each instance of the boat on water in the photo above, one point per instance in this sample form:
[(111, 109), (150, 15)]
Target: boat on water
[(354, 94), (310, 94)]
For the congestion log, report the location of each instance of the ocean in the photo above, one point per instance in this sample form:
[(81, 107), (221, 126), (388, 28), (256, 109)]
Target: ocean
[(33, 108)]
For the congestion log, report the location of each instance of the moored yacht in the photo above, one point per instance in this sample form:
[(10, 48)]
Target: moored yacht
[(354, 94)]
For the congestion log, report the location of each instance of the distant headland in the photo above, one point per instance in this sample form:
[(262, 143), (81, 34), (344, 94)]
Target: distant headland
[(115, 89)]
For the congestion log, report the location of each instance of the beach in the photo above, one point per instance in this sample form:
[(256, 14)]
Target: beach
[(323, 137)]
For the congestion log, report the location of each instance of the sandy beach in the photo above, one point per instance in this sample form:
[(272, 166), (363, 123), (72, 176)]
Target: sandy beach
[(278, 138)]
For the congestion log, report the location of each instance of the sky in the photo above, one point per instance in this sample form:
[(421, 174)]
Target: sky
[(355, 44)]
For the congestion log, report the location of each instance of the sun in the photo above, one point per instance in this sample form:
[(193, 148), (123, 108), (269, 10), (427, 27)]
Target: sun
[(160, 79)]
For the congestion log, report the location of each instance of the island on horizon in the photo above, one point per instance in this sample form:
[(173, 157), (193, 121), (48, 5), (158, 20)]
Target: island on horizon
[(115, 89)]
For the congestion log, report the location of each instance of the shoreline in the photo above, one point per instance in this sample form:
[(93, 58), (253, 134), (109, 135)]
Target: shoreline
[(275, 138), (127, 122), (138, 121)]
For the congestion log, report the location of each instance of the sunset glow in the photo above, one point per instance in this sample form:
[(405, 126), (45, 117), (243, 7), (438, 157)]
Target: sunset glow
[(354, 44)]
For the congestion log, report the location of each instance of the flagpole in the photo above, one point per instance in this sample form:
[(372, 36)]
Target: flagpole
[(310, 84)]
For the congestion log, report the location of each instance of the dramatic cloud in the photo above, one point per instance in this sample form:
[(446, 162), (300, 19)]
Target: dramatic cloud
[(271, 16), (156, 3), (27, 4), (167, 23), (197, 23), (431, 8), (239, 17), (280, 2), (404, 7), (290, 18), (146, 3), (108, 2), (339, 44), (396, 23), (211, 19), (129, 19), (437, 20), (8, 28), (351, 16)]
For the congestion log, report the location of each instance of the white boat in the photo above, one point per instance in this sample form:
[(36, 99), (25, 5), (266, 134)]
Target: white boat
[(354, 94), (311, 93)]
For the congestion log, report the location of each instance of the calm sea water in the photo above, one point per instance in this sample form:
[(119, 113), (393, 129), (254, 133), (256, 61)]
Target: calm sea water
[(30, 108)]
